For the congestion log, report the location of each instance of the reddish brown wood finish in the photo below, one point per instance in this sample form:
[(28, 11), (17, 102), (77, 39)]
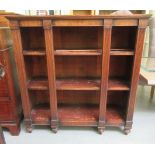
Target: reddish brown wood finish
[(2, 140), (104, 73), (78, 70), (10, 106), (17, 45), (51, 72), (135, 74)]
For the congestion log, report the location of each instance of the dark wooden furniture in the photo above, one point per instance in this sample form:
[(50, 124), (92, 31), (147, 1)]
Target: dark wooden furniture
[(2, 140), (78, 70), (10, 107)]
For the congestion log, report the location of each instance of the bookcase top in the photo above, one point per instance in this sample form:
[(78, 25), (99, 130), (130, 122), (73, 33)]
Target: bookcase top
[(24, 17)]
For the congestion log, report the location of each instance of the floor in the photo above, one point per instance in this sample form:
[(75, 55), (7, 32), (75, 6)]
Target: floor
[(143, 129)]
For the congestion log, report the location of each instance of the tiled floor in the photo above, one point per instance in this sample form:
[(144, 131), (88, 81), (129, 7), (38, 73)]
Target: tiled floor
[(143, 129)]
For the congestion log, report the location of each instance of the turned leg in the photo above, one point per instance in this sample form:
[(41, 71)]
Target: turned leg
[(54, 126), (152, 92), (28, 125), (127, 128)]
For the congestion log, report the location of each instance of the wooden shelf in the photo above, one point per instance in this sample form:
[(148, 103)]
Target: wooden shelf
[(118, 84), (77, 84), (34, 52), (64, 84), (78, 115), (38, 84), (114, 115), (40, 114), (122, 52), (78, 52), (69, 115)]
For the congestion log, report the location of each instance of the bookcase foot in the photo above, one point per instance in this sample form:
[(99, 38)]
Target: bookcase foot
[(128, 127), (28, 124), (127, 131), (54, 126), (55, 130), (101, 130), (29, 129)]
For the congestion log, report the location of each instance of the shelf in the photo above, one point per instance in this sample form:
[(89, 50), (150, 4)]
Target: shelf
[(38, 84), (77, 84), (69, 115), (78, 115), (64, 84), (114, 115), (78, 52), (34, 52), (40, 114), (122, 52), (118, 84), (115, 52)]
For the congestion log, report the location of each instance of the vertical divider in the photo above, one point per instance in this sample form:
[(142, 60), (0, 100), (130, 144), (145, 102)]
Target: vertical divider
[(48, 30), (17, 45), (107, 28), (135, 74)]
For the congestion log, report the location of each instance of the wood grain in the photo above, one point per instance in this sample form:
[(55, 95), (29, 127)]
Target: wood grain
[(79, 70)]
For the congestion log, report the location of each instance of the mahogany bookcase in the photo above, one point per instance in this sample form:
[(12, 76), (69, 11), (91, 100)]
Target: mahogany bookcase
[(78, 70)]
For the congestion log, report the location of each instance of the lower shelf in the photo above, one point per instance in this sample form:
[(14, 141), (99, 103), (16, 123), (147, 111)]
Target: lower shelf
[(40, 114), (77, 115), (114, 116), (78, 84)]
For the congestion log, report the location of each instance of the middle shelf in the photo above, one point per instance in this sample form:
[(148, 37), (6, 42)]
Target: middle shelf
[(79, 52), (77, 84)]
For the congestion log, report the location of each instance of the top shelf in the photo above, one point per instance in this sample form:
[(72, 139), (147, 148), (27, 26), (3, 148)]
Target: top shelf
[(78, 52), (122, 52), (82, 52), (34, 52), (132, 16)]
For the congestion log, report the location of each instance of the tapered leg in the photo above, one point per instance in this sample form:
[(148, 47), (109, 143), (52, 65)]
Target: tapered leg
[(2, 140), (152, 92), (28, 125)]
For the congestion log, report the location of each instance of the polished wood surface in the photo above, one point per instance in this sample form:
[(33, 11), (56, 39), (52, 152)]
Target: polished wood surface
[(78, 70), (10, 102)]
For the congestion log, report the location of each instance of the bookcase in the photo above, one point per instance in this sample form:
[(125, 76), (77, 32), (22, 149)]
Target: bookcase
[(78, 70)]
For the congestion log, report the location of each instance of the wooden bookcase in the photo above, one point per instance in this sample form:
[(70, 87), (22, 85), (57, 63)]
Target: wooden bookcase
[(78, 70)]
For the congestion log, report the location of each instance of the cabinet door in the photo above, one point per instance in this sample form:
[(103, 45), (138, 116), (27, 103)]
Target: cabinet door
[(4, 91)]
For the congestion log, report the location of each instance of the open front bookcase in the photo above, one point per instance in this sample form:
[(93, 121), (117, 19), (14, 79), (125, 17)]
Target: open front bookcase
[(78, 70)]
